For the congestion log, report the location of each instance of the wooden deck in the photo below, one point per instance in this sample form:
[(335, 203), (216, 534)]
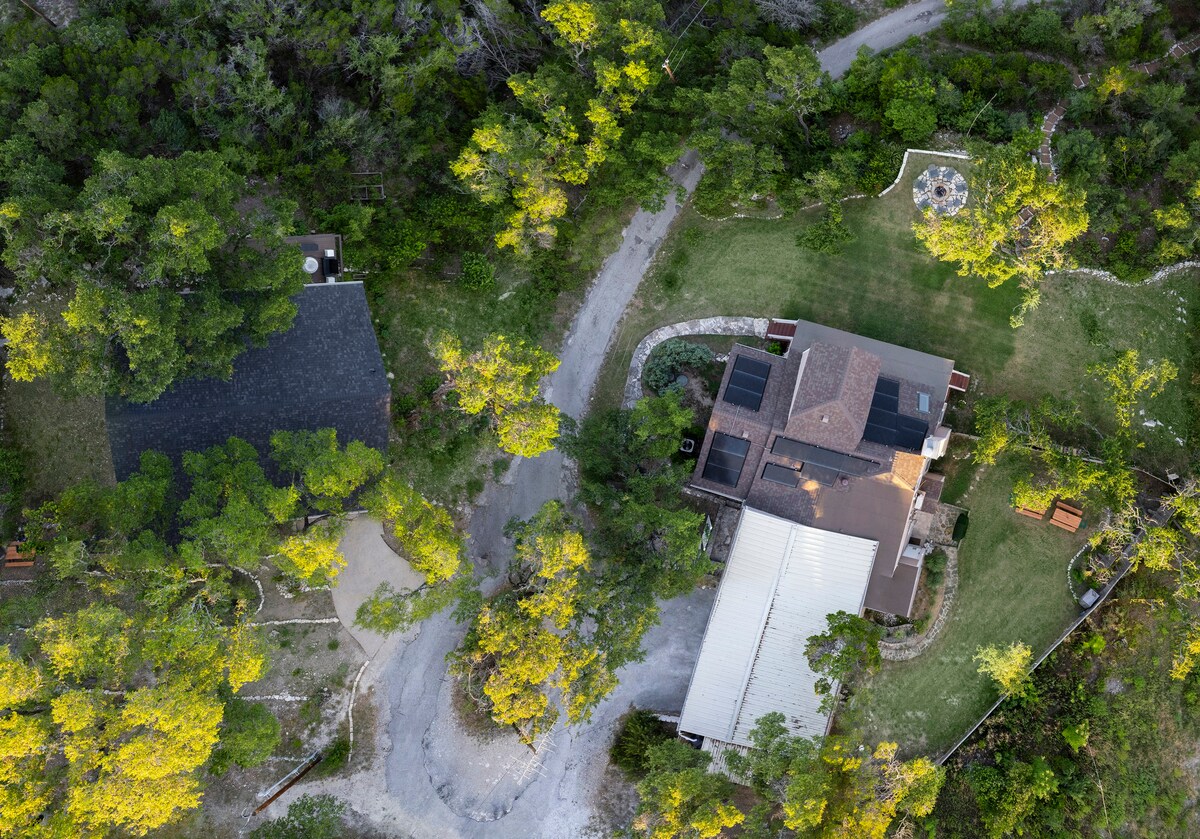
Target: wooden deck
[(15, 558)]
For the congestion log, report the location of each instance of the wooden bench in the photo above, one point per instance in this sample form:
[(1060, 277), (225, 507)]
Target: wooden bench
[(14, 558), (1032, 513)]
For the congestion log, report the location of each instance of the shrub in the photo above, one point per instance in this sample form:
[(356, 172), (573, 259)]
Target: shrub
[(672, 356), (477, 272), (935, 568), (249, 733), (642, 730), (335, 757), (960, 528), (827, 235), (1076, 735), (308, 817)]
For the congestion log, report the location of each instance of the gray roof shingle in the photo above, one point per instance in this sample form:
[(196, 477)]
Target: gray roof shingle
[(324, 372)]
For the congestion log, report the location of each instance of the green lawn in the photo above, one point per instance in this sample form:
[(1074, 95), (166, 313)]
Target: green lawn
[(1012, 586), (885, 286), (63, 439)]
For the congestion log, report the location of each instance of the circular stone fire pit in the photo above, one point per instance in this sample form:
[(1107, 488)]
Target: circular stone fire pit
[(940, 189)]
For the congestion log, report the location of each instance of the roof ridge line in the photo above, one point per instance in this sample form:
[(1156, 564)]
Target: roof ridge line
[(762, 627)]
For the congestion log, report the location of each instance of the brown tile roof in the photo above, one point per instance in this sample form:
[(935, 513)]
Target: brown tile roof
[(833, 396), (932, 486), (781, 329), (908, 468), (837, 381)]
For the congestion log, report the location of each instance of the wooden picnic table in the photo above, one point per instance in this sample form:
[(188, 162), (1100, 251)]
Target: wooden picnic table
[(1067, 517), (15, 558)]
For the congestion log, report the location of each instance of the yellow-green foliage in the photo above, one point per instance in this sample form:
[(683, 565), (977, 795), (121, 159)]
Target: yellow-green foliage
[(424, 530), (1008, 666), (131, 752), (527, 648), (314, 555), (503, 378)]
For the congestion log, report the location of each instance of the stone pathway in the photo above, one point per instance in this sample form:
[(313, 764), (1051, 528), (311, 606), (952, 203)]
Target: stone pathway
[(1080, 81), (703, 326)]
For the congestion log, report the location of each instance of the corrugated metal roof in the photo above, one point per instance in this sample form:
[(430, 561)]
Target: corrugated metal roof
[(780, 582)]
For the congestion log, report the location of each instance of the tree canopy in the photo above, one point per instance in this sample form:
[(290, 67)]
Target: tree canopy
[(1018, 223), (164, 275), (503, 378), (531, 647)]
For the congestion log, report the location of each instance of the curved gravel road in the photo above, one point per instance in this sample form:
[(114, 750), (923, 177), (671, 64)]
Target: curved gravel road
[(888, 31)]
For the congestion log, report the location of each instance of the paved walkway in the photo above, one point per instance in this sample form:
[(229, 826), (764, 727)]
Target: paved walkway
[(703, 326), (369, 562)]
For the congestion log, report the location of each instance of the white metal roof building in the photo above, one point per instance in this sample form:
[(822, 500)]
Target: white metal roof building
[(781, 581)]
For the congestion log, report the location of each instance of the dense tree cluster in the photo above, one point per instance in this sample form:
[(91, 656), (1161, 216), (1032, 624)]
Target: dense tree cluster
[(534, 645), (123, 693), (812, 787)]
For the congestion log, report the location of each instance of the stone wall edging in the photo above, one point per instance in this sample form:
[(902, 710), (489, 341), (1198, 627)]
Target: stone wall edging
[(910, 648), (904, 164), (702, 326)]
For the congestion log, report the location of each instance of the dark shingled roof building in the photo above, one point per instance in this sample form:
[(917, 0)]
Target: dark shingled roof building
[(324, 372)]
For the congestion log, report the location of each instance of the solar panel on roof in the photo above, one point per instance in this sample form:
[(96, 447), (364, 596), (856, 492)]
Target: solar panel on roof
[(747, 383), (777, 474), (817, 456), (820, 474), (887, 426), (726, 457)]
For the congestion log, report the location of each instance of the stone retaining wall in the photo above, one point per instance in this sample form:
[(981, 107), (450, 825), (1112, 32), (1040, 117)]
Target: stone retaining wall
[(703, 326), (913, 647), (903, 650)]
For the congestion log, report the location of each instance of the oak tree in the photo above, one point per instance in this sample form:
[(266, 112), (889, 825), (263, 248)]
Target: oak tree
[(680, 798), (502, 378), (1007, 666), (1018, 223)]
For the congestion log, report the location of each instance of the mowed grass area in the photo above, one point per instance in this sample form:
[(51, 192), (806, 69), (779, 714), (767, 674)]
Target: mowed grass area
[(885, 286), (62, 438), (1012, 586)]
